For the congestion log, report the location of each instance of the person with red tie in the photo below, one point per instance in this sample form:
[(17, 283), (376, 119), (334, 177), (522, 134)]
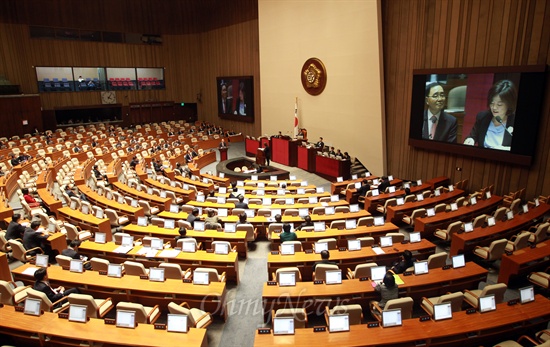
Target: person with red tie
[(437, 125)]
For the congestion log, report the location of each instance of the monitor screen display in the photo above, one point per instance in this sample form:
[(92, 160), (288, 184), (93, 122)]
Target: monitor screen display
[(221, 248), (391, 189), (379, 221), (120, 200), (200, 198), (510, 215), (287, 279), (77, 313), (320, 190), (42, 260), (283, 326), (222, 190), (351, 224), (321, 246), (300, 191), (415, 237), (230, 227), (114, 270), (354, 177), (76, 265), (391, 318), (100, 237), (177, 323), (526, 294), (421, 267), (468, 227), (125, 319), (473, 200), (134, 203), (287, 248), (201, 277), (375, 192), (340, 179), (354, 208), (163, 194), (127, 241), (302, 212), (303, 184), (249, 213), (32, 306), (289, 201), (443, 311), (454, 206), (142, 221), (525, 208), (399, 201), (338, 322), (377, 273), (198, 226), (386, 241), (254, 177), (458, 261), (319, 226), (189, 247), (354, 245), (357, 185), (281, 192), (220, 200), (430, 212), (334, 198), (222, 212), (174, 208), (85, 209), (419, 197), (491, 221), (169, 224), (313, 200), (437, 192), (487, 303), (276, 211), (333, 277), (157, 243), (156, 274), (99, 214), (221, 175)]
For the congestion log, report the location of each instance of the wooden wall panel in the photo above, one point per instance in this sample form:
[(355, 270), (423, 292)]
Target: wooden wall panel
[(462, 33)]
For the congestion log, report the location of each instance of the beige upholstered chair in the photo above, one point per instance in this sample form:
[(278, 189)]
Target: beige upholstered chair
[(114, 219), (446, 234), (46, 305), (144, 314), (297, 245), (19, 252), (99, 264), (418, 213), (540, 233), (437, 260), (361, 270), (366, 241), (96, 308), (213, 275), (321, 269), (355, 313), (133, 268), (518, 241), (299, 315), (540, 278), (174, 271), (396, 237), (196, 318), (405, 304), (331, 243), (472, 296), (493, 252), (454, 298), (296, 270), (12, 295), (365, 221)]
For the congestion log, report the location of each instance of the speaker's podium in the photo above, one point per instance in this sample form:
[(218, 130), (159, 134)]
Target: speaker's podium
[(260, 157), (223, 153)]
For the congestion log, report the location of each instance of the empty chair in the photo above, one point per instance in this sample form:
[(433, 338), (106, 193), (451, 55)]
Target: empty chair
[(321, 269), (73, 233), (299, 315), (12, 295), (251, 233), (405, 304), (274, 228), (479, 221), (237, 211), (437, 260), (396, 237), (63, 260), (174, 271), (226, 243), (114, 219), (46, 304), (472, 296), (446, 234), (318, 211), (264, 212), (540, 233), (518, 241), (4, 245), (144, 314), (355, 313), (99, 264), (213, 275), (361, 271), (493, 252), (366, 241), (455, 299), (195, 318), (540, 278), (500, 214), (133, 268), (418, 213), (157, 221), (96, 308), (365, 221), (19, 252), (291, 212), (295, 270), (147, 209)]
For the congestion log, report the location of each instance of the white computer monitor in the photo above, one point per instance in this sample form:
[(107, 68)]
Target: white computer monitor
[(287, 279), (334, 198), (220, 200), (200, 198), (174, 208), (367, 174), (375, 192), (249, 213), (391, 318), (454, 206), (391, 189), (52, 227), (76, 265), (77, 313), (458, 261), (99, 214), (156, 274), (142, 221), (125, 319), (443, 311), (400, 201), (198, 225), (379, 221), (351, 224), (289, 201), (254, 177), (240, 183), (510, 215), (114, 270), (376, 181), (526, 294), (406, 185), (85, 209), (437, 192), (281, 191), (319, 190), (330, 210), (419, 197), (42, 260), (525, 208), (303, 184), (333, 277), (354, 245), (354, 177), (537, 203), (100, 237), (303, 212), (377, 273), (222, 212), (357, 185), (276, 211), (32, 306), (451, 187), (313, 200), (222, 190), (418, 182), (127, 240), (134, 203), (201, 277), (421, 267), (488, 195), (287, 248), (354, 208), (468, 227), (163, 194), (338, 323), (415, 237), (430, 212), (221, 175), (491, 221), (487, 303), (473, 200), (230, 227), (189, 246), (321, 246), (283, 326), (300, 191), (73, 205), (221, 248), (177, 323), (319, 226), (169, 224), (340, 179), (386, 241), (157, 243)]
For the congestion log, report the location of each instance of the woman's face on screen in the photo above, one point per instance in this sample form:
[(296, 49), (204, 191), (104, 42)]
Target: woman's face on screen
[(498, 107)]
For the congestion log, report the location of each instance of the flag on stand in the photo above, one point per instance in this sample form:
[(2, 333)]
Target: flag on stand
[(296, 130)]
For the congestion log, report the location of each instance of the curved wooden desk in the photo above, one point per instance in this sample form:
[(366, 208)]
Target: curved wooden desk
[(395, 213)]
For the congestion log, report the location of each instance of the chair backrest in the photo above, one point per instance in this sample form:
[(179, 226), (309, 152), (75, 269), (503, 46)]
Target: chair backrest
[(4, 246), (318, 210), (321, 269), (291, 212), (418, 213), (18, 251), (46, 305), (500, 214), (437, 260), (363, 270), (365, 221), (6, 293), (86, 300), (479, 221), (299, 314), (63, 260), (249, 228), (453, 228), (141, 314), (542, 232), (396, 237), (496, 249), (213, 275), (338, 224), (133, 268), (355, 312), (522, 240), (172, 270), (405, 304), (331, 243), (497, 290), (297, 245), (366, 241), (454, 298), (294, 269), (99, 264)]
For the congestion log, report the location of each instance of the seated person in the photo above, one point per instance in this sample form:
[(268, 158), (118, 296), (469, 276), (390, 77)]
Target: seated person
[(242, 219), (365, 187), (241, 203), (42, 284), (406, 262), (33, 238), (388, 290), (338, 154), (287, 235), (193, 216), (211, 219), (98, 175), (15, 229), (72, 252), (325, 255), (32, 202), (134, 162), (182, 234), (346, 156), (385, 183), (307, 223), (331, 151), (233, 191)]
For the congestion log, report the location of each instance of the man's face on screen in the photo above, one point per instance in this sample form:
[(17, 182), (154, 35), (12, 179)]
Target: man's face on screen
[(436, 99)]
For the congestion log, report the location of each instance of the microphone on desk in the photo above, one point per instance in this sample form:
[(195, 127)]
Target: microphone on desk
[(509, 130)]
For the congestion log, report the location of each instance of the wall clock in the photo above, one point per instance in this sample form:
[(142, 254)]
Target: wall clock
[(108, 97)]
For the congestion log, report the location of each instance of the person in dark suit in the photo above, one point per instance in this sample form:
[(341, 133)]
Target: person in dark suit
[(72, 252), (33, 238), (406, 262), (320, 144), (223, 144), (188, 157), (241, 203), (437, 124), (325, 256), (494, 127), (42, 284), (385, 183), (224, 106), (15, 230), (267, 153), (365, 187), (193, 216), (307, 223)]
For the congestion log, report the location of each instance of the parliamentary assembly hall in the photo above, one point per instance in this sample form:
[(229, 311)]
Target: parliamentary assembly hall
[(274, 173)]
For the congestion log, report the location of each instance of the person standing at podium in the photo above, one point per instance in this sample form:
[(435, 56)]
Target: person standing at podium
[(267, 153), (223, 144)]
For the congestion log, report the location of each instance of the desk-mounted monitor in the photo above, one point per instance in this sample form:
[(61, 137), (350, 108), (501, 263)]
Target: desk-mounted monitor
[(386, 241), (419, 197), (198, 225), (313, 200), (142, 221), (333, 277), (85, 209), (491, 221), (189, 246), (303, 184), (526, 294), (338, 323), (287, 248), (437, 192), (391, 189), (473, 200), (254, 177), (157, 243), (200, 198), (222, 212), (300, 191), (319, 226), (222, 190), (376, 181), (42, 260), (76, 265), (289, 201), (391, 318), (174, 208), (100, 237), (121, 200), (77, 313), (221, 175), (400, 201), (201, 277), (334, 198), (357, 185), (134, 203), (415, 237), (525, 208), (287, 279), (303, 212), (351, 224), (99, 214), (230, 227), (375, 192), (249, 213), (468, 227), (430, 212), (354, 208), (320, 246), (220, 200), (319, 190), (454, 206), (487, 303), (32, 306), (221, 248), (276, 211), (458, 261), (378, 221), (281, 191), (177, 323), (377, 273), (443, 311), (340, 179), (169, 224), (283, 326), (114, 270), (421, 267), (156, 274), (330, 210), (354, 245), (163, 194), (125, 319), (510, 215), (354, 177)]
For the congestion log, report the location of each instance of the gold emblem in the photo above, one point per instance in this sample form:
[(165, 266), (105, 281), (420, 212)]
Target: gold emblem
[(314, 76)]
